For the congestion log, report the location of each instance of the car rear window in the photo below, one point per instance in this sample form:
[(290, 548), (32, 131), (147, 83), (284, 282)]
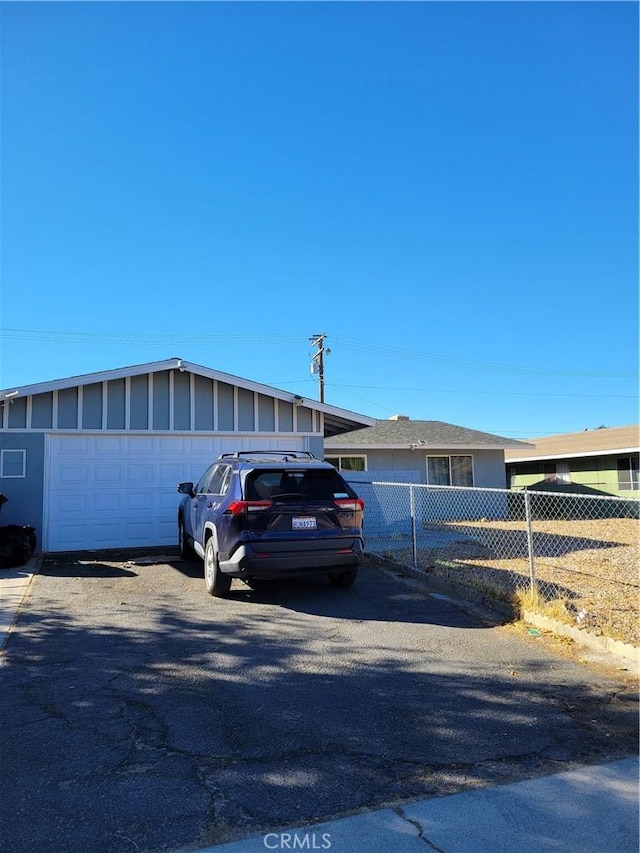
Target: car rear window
[(319, 485)]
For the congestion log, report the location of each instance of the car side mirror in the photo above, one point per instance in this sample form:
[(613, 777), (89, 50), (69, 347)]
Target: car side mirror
[(186, 489)]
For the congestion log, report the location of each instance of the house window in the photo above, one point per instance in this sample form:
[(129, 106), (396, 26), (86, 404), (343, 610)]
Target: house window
[(557, 472), (628, 477), (13, 463), (450, 470), (348, 463)]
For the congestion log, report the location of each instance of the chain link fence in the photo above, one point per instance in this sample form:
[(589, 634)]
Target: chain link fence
[(573, 556)]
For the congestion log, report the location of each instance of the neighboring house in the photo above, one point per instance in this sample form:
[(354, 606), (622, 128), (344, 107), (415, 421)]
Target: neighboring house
[(93, 461), (431, 452), (599, 460)]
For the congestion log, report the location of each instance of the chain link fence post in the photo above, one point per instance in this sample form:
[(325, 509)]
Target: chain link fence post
[(414, 536), (530, 549)]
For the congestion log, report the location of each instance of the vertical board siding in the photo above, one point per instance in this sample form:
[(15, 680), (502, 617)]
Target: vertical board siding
[(285, 416), (266, 414), (116, 404), (246, 414), (226, 421), (92, 406), (139, 403), (18, 413), (161, 400), (42, 411), (68, 408), (181, 400), (305, 421), (203, 404), (164, 401)]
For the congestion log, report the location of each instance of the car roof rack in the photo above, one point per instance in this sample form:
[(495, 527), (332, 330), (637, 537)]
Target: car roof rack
[(281, 454)]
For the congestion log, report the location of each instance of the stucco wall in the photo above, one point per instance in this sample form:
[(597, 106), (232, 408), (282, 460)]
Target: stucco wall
[(25, 494), (488, 465)]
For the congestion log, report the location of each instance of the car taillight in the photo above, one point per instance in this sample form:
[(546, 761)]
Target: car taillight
[(351, 504), (245, 507)]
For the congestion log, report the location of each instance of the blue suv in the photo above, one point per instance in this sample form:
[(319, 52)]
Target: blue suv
[(269, 514)]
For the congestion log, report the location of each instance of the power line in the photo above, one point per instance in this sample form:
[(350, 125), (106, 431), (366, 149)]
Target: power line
[(477, 391), (366, 347), (375, 348)]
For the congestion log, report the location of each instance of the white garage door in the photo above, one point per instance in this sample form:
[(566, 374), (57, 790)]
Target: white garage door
[(110, 491)]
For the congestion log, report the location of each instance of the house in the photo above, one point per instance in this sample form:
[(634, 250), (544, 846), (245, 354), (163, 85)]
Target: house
[(93, 461), (428, 452), (601, 460)]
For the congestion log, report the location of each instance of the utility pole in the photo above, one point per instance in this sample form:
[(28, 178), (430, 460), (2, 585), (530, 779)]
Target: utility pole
[(317, 361)]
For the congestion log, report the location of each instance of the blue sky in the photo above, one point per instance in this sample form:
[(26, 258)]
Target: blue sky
[(449, 191)]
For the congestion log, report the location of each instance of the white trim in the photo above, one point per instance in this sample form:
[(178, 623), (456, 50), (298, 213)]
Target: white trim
[(104, 405), (80, 404), (172, 398), (192, 401), (150, 402), (127, 402), (46, 483)]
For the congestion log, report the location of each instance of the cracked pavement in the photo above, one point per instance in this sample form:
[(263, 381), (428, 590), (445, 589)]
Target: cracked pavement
[(139, 714)]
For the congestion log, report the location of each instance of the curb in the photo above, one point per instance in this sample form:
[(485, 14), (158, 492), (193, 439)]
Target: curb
[(584, 638)]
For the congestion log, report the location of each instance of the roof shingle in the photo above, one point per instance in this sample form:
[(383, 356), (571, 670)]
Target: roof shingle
[(406, 434)]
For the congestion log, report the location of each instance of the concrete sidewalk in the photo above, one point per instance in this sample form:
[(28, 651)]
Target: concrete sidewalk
[(591, 810), (14, 584)]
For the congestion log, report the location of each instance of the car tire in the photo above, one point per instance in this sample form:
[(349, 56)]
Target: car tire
[(186, 551), (344, 579), (217, 584)]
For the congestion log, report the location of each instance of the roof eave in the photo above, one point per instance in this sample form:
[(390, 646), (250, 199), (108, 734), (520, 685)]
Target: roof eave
[(422, 447), (612, 451), (342, 419)]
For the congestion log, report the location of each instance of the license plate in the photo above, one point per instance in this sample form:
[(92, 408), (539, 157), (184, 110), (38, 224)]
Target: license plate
[(303, 523)]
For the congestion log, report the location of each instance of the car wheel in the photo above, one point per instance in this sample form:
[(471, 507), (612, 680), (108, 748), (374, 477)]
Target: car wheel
[(217, 584), (343, 579), (186, 551)]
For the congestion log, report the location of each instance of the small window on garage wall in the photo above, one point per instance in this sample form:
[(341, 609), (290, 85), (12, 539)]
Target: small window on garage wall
[(13, 463)]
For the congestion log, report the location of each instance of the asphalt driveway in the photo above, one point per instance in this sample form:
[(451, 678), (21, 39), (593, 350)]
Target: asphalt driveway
[(139, 714)]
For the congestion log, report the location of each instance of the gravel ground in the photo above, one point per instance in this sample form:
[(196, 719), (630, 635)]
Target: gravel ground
[(587, 571)]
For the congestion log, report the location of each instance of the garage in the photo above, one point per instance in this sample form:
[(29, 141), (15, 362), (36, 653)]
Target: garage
[(120, 491), (92, 462)]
